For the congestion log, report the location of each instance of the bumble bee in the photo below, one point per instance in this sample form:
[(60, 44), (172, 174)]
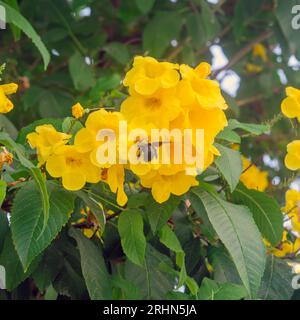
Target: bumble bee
[(148, 150)]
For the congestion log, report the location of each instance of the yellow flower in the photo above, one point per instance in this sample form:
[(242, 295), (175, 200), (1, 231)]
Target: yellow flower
[(115, 177), (158, 109), (259, 50), (285, 248), (193, 102), (292, 159), (75, 168), (162, 186), (86, 142), (46, 140), (6, 89), (77, 110), (148, 75), (194, 87), (292, 208), (253, 178), (290, 106)]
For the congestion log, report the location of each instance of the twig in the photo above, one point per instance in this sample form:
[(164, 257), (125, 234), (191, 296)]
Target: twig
[(239, 55)]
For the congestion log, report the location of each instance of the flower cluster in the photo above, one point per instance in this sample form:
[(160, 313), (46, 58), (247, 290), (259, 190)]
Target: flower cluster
[(162, 95)]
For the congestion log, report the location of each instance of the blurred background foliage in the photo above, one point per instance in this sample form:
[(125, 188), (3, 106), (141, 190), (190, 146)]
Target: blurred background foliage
[(92, 44)]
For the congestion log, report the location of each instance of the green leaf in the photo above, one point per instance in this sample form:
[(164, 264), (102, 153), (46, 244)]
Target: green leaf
[(19, 21), (118, 51), (266, 212), (237, 230), (7, 126), (71, 126), (149, 278), (224, 269), (81, 73), (2, 191), (170, 240), (4, 227), (131, 229), (158, 33), (14, 273), (51, 293), (127, 290), (145, 5), (93, 267), (206, 227), (195, 29), (35, 172), (284, 16), (211, 25), (48, 268), (103, 84), (256, 129), (27, 219), (277, 280), (229, 135), (230, 165), (159, 213), (211, 290)]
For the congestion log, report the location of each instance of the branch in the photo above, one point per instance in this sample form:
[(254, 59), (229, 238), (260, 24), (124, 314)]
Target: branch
[(239, 55)]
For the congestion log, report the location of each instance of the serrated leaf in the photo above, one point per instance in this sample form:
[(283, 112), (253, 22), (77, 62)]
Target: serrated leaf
[(266, 212), (14, 17), (93, 267), (236, 228), (229, 135), (256, 129), (27, 219), (14, 273), (277, 280), (131, 229), (230, 165), (35, 172)]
